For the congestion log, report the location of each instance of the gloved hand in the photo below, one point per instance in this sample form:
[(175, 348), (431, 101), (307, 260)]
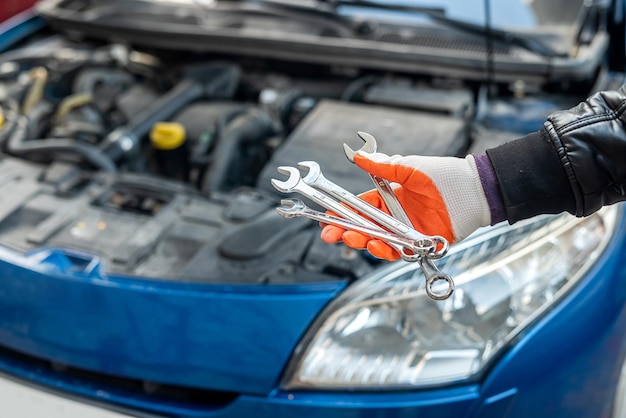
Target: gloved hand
[(441, 196)]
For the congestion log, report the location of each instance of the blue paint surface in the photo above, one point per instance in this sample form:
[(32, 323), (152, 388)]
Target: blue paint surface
[(18, 27), (208, 336), (239, 339)]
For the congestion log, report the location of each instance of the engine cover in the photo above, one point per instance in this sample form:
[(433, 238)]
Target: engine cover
[(319, 137), (148, 227)]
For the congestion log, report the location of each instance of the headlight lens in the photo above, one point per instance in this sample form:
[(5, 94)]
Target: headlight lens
[(385, 333)]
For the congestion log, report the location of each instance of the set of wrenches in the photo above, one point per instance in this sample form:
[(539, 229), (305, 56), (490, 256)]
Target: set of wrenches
[(395, 229)]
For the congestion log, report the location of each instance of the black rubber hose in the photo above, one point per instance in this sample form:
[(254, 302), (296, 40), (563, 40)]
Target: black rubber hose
[(19, 147), (249, 127), (354, 87), (217, 80)]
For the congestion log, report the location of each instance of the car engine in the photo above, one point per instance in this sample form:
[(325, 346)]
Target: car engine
[(160, 163)]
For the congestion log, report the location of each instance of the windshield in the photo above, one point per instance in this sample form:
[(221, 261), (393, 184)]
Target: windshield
[(523, 15), (506, 14)]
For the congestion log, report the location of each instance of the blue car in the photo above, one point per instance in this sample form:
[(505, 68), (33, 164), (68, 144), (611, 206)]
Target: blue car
[(144, 271)]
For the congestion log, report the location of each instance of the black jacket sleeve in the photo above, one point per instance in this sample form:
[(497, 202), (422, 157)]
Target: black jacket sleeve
[(575, 163)]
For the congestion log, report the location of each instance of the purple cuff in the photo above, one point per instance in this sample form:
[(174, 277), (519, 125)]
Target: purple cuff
[(490, 187)]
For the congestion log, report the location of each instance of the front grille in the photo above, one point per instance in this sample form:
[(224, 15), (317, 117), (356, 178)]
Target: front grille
[(129, 394)]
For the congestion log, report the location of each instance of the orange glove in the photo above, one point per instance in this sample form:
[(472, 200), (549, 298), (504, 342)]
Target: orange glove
[(441, 196)]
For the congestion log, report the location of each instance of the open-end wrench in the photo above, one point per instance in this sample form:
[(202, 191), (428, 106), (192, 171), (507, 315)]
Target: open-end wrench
[(316, 179), (295, 184), (292, 208), (382, 185)]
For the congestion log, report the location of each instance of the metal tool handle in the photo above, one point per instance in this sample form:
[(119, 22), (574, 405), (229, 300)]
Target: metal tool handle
[(368, 227), (295, 207), (316, 179), (331, 204), (295, 183), (391, 200), (431, 271), (397, 211)]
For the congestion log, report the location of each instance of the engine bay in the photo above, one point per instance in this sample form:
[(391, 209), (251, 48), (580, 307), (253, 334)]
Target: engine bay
[(160, 163)]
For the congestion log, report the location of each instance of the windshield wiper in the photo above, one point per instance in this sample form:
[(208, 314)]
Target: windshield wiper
[(342, 24), (438, 15), (327, 10)]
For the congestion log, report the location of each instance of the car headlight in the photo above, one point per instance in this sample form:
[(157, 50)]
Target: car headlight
[(383, 332)]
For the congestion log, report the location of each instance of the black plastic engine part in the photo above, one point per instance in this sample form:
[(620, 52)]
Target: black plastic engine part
[(173, 163), (398, 131), (16, 144), (229, 165), (458, 103), (262, 234), (148, 227), (133, 100), (205, 117), (204, 123), (249, 203), (104, 84), (216, 80)]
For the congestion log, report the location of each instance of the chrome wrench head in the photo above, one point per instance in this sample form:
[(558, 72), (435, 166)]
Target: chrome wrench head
[(316, 179), (289, 185), (314, 172), (381, 184), (434, 275), (296, 184), (291, 208), (370, 146)]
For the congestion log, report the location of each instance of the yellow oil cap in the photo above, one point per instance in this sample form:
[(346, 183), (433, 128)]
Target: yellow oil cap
[(167, 135), (1, 117)]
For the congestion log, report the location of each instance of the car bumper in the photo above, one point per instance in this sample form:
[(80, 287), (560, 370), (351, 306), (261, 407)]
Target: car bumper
[(21, 400), (566, 365)]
